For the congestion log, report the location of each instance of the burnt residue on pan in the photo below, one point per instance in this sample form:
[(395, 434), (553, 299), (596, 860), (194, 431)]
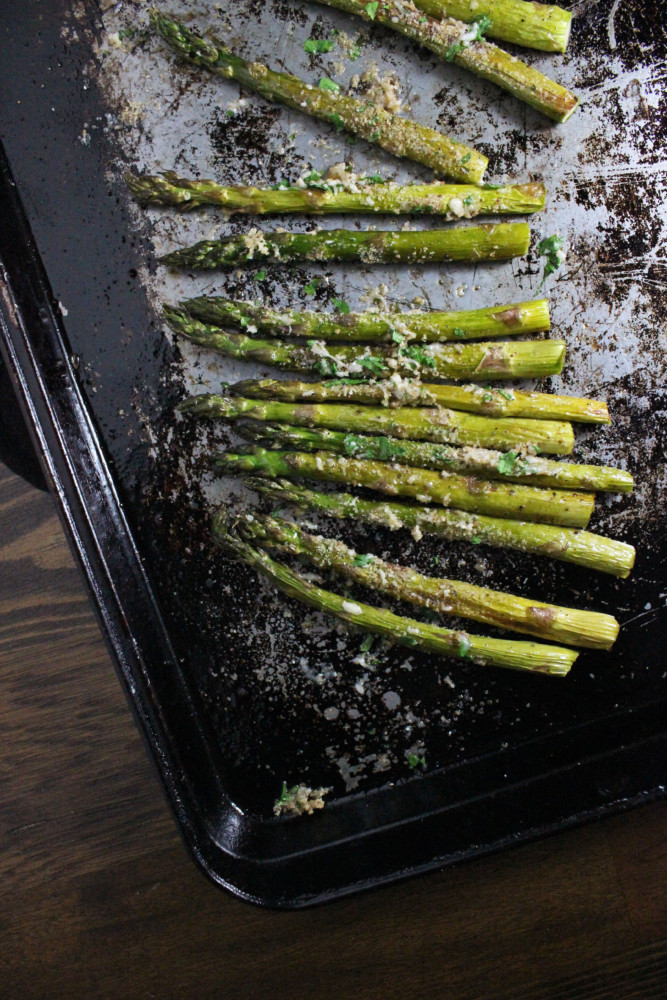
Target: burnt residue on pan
[(286, 694)]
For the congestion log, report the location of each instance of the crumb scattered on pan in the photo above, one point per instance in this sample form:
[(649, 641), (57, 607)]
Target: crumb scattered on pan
[(299, 799)]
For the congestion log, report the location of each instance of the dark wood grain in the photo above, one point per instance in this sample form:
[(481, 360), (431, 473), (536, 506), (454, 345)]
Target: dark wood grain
[(99, 898)]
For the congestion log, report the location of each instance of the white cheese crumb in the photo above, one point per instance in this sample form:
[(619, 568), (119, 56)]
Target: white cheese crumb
[(300, 799)]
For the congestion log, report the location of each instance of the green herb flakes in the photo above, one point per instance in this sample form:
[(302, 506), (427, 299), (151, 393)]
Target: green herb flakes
[(329, 85), (374, 365), (260, 276), (363, 559), (341, 306), (507, 463), (552, 249), (458, 332), (415, 353), (372, 9), (315, 45), (366, 644), (464, 645)]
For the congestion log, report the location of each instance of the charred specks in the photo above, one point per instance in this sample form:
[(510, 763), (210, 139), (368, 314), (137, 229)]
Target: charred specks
[(242, 143)]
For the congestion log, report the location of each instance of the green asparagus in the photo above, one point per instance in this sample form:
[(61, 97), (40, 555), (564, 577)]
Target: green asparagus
[(439, 425), (464, 45), (450, 597), (487, 360), (533, 25), (582, 548), (528, 503), (465, 324), (462, 243), (397, 391), (521, 655), (352, 194), (508, 466), (400, 136)]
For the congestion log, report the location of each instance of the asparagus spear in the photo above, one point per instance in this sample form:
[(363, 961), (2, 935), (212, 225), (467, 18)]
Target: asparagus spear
[(400, 136), (450, 597), (488, 360), (531, 656), (533, 25), (582, 548), (462, 492), (396, 391), (464, 45), (484, 463), (468, 324), (453, 201), (462, 243), (440, 425)]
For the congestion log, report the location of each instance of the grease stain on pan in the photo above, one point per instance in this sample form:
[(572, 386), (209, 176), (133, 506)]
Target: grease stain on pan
[(268, 671)]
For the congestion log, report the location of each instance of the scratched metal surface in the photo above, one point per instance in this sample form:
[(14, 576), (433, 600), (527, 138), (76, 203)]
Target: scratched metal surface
[(289, 696)]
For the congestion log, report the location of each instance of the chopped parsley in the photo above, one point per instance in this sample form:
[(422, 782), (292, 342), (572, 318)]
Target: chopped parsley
[(374, 365), (475, 540), (464, 159), (414, 760), (260, 275), (349, 381), (355, 52), (338, 122), (372, 9), (415, 353), (552, 249), (373, 179), (329, 85), (326, 366), (352, 444), (468, 201), (458, 332), (315, 45), (387, 450), (341, 306), (507, 463), (397, 337), (509, 396), (311, 287), (315, 179), (464, 645), (475, 33), (363, 559), (366, 644)]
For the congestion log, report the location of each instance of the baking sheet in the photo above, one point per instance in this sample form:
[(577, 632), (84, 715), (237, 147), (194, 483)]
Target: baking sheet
[(282, 693)]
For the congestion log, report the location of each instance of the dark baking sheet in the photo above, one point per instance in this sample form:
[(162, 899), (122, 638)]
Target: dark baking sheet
[(232, 695)]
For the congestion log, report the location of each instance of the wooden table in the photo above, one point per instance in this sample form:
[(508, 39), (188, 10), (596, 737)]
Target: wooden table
[(100, 899)]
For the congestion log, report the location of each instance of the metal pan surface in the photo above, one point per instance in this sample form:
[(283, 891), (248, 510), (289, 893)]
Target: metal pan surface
[(243, 689)]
